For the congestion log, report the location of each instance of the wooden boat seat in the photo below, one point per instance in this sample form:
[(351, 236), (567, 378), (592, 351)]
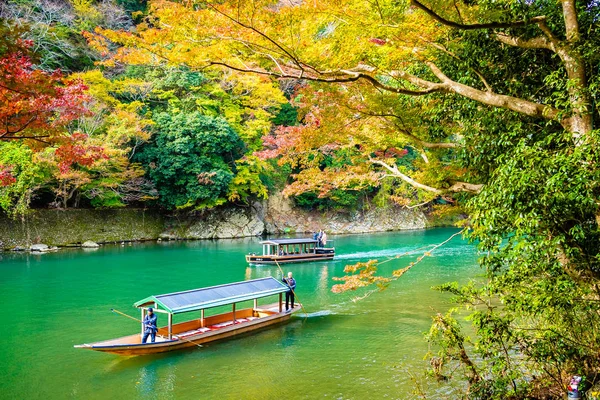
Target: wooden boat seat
[(191, 332), (221, 325)]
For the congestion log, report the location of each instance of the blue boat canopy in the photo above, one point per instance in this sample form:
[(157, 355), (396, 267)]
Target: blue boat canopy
[(214, 296)]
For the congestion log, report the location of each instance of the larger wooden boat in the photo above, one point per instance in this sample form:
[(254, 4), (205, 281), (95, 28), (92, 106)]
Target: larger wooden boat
[(204, 329), (291, 251)]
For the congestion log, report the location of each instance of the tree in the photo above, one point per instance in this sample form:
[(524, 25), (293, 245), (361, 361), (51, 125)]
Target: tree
[(504, 90), (22, 177), (34, 104), (191, 159)]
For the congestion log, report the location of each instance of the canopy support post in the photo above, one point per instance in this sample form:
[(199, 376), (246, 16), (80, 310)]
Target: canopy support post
[(233, 308), (143, 316), (170, 326), (280, 301), (202, 318)]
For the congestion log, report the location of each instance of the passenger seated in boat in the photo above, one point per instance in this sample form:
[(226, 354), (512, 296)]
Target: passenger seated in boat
[(150, 326)]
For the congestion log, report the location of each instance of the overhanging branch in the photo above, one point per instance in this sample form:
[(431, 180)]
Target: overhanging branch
[(455, 188), (490, 25), (343, 76)]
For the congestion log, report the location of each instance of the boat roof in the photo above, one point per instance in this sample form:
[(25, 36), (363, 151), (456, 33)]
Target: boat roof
[(289, 241), (198, 299)]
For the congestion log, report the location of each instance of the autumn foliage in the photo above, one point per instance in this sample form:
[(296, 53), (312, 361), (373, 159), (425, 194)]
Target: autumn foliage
[(36, 104), (6, 177), (76, 150)]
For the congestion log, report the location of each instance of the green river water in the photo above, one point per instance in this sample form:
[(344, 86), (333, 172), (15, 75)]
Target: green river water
[(343, 350)]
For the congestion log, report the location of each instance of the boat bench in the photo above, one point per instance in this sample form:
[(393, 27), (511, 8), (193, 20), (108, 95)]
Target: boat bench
[(212, 327)]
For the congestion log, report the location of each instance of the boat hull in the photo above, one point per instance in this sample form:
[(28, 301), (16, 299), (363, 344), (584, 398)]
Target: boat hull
[(291, 258), (126, 346)]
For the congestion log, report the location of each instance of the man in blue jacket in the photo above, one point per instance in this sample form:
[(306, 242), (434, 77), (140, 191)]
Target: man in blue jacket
[(150, 326), (291, 282)]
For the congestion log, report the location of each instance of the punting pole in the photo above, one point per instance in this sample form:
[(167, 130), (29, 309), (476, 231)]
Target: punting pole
[(293, 291), (158, 329)]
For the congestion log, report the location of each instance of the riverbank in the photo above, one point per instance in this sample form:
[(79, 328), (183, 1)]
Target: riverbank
[(276, 216)]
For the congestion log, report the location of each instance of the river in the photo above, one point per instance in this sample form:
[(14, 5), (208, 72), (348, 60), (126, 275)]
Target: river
[(344, 349)]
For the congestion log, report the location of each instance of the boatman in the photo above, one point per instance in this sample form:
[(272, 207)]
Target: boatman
[(150, 326), (291, 283)]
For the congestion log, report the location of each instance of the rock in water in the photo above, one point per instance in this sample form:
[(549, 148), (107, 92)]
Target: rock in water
[(89, 244), (39, 247)]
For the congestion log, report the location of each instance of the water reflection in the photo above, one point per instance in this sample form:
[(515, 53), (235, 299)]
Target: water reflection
[(157, 380)]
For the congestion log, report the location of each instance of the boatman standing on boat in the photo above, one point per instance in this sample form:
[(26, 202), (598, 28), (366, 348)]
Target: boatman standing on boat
[(291, 282), (150, 326)]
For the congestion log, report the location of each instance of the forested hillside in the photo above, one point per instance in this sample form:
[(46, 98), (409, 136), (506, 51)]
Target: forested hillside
[(84, 128)]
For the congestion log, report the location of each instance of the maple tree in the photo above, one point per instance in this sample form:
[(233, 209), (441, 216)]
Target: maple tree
[(35, 104)]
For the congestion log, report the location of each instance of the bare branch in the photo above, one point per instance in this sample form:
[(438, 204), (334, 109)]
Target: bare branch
[(405, 132), (38, 138), (571, 23), (491, 25), (479, 74), (539, 42), (455, 188), (519, 105), (263, 35), (342, 76)]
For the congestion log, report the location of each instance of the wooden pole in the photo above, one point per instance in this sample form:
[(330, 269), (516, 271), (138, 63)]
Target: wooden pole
[(293, 291), (233, 308), (142, 320), (170, 326), (135, 319), (202, 318), (280, 300)]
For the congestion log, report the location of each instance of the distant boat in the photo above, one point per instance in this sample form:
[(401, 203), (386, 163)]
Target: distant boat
[(291, 251), (205, 329)]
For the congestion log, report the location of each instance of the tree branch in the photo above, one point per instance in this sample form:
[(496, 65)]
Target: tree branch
[(38, 138), (455, 188), (571, 23), (519, 105), (491, 25), (539, 42), (405, 132), (263, 35), (479, 74), (343, 76)]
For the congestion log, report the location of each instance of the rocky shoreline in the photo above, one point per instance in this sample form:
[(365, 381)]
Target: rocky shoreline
[(73, 228)]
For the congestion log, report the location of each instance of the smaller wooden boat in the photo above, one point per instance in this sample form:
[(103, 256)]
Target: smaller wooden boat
[(205, 329), (291, 251)]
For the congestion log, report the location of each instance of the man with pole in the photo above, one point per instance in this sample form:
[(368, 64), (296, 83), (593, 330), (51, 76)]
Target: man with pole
[(150, 327), (291, 283)]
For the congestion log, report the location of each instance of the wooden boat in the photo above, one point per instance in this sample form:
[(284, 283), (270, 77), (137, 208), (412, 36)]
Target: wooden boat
[(204, 329), (291, 251)]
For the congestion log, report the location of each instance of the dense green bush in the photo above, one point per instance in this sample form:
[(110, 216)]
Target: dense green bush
[(190, 159)]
